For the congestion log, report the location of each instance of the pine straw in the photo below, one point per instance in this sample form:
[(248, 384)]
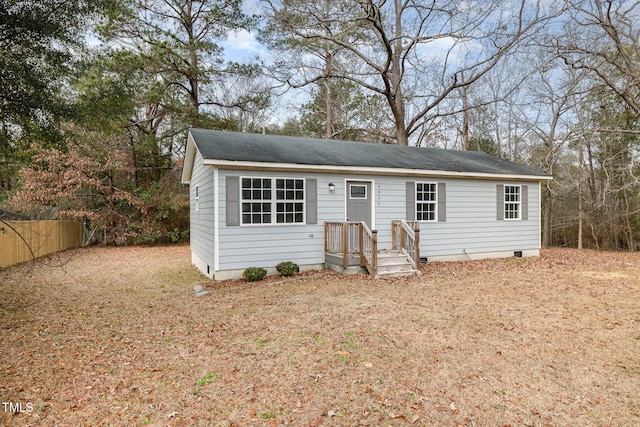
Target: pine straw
[(116, 336)]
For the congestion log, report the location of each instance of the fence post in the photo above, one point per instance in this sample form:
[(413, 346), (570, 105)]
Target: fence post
[(417, 243), (360, 241), (416, 231), (345, 245), (393, 235), (374, 251), (326, 243)]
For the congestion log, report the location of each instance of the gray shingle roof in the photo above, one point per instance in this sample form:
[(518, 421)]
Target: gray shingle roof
[(236, 146)]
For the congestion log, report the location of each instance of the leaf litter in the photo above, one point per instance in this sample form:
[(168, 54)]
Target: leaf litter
[(118, 337)]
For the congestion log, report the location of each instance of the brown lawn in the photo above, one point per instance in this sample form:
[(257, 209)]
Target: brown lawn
[(116, 336)]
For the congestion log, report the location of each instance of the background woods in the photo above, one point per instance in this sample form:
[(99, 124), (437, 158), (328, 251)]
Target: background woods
[(95, 98)]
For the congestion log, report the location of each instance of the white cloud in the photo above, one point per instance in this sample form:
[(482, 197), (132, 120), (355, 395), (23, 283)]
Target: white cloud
[(242, 40), (242, 45)]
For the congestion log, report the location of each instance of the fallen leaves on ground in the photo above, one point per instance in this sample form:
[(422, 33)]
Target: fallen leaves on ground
[(116, 336)]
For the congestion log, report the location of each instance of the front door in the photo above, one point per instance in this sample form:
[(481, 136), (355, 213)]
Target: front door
[(359, 198)]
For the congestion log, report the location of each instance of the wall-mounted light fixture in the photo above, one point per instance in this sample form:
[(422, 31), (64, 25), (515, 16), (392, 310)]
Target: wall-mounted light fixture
[(332, 186)]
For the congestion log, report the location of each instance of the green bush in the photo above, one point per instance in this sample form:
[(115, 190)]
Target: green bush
[(287, 268), (253, 274)]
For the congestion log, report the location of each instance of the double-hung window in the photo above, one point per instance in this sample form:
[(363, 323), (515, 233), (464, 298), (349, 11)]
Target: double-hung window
[(256, 200), (272, 200), (512, 201), (426, 201)]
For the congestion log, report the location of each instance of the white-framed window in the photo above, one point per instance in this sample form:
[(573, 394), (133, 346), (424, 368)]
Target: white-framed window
[(197, 199), (272, 200), (289, 201), (426, 201), (512, 201), (357, 191)]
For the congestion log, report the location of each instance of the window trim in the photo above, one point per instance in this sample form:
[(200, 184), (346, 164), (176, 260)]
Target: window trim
[(273, 201), (509, 202), (434, 202)]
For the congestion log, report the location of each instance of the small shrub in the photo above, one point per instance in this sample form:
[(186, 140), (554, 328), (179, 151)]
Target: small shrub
[(253, 274), (176, 235), (287, 268)]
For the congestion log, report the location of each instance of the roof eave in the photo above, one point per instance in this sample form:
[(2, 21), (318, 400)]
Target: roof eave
[(246, 165), (189, 159)]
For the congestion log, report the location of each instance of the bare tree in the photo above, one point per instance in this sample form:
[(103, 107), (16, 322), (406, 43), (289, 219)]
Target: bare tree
[(603, 38), (415, 54), (247, 98), (554, 94), (495, 109)]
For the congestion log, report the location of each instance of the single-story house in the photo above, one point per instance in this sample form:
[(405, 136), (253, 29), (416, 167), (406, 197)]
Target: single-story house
[(258, 200)]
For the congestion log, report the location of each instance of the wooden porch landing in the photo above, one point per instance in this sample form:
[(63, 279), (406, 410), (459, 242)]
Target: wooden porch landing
[(351, 247), (391, 263)]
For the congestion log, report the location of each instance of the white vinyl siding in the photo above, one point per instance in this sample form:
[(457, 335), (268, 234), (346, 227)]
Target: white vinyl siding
[(266, 246), (470, 225), (202, 226)]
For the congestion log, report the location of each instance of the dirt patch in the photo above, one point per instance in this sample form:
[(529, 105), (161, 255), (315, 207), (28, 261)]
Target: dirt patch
[(116, 336)]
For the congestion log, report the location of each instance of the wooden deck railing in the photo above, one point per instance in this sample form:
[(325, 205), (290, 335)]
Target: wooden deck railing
[(369, 249), (405, 237), (352, 238)]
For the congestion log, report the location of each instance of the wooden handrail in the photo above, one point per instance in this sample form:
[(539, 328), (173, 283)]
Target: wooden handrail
[(369, 249), (406, 239), (345, 245), (351, 238)]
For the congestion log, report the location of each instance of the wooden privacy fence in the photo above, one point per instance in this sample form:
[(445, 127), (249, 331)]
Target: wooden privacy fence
[(44, 237)]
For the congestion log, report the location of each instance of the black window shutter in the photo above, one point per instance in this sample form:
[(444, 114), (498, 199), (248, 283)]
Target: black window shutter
[(233, 200), (311, 186), (411, 201)]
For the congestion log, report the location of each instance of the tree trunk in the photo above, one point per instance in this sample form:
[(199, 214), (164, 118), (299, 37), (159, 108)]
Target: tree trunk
[(580, 203), (465, 118), (193, 60), (402, 137), (627, 222), (329, 134), (395, 95), (328, 72)]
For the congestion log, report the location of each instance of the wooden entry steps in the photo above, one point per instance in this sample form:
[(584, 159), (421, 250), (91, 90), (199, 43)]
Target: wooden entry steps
[(392, 263), (350, 246)]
